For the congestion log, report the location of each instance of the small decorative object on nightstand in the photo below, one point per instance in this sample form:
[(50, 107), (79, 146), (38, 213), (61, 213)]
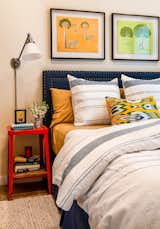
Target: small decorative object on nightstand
[(38, 111), (28, 151), (41, 170), (20, 116)]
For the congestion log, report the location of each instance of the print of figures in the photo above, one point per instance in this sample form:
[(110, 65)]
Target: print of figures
[(135, 37), (77, 34)]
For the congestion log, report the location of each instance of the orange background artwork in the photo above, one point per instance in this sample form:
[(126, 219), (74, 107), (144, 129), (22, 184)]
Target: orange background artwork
[(77, 34)]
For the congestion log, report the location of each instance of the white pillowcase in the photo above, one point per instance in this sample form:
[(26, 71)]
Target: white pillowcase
[(88, 100), (138, 89)]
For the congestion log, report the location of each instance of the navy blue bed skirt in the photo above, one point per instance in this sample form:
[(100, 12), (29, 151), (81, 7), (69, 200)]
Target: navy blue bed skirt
[(76, 218)]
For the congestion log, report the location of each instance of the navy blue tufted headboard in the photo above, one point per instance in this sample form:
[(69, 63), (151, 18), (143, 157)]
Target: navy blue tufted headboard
[(58, 79)]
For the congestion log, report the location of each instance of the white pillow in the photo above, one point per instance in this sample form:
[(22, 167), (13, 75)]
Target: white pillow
[(139, 89), (88, 100)]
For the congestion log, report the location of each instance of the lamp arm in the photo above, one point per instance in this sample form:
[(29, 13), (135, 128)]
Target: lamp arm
[(26, 42), (15, 62)]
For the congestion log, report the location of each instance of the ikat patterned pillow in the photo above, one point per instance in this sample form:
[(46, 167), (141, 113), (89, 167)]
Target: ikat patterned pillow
[(126, 111)]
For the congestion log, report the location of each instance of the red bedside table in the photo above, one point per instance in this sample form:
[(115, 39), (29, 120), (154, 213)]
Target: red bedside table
[(44, 149)]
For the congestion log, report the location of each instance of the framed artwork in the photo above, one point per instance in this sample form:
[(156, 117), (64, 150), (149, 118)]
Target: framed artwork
[(135, 37), (20, 116), (77, 34)]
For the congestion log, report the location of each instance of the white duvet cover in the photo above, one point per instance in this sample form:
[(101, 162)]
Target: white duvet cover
[(114, 174)]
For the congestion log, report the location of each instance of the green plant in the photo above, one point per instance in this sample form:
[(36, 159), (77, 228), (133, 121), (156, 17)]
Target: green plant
[(39, 110)]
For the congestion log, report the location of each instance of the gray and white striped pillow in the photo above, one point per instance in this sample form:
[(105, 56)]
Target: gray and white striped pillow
[(139, 89), (88, 100)]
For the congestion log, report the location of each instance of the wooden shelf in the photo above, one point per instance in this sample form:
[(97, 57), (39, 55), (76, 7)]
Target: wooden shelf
[(32, 174)]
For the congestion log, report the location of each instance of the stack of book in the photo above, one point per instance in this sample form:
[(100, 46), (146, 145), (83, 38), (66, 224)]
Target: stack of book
[(22, 126), (23, 164)]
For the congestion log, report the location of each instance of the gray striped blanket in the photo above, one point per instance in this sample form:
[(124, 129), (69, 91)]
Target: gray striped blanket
[(112, 173)]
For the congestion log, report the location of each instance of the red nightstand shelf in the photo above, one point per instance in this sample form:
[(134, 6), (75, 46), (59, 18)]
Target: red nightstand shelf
[(44, 149)]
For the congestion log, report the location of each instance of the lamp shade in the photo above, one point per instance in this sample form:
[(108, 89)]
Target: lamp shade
[(31, 52)]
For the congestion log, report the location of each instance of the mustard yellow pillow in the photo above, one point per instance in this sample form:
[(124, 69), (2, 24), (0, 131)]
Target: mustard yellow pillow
[(62, 106), (125, 111)]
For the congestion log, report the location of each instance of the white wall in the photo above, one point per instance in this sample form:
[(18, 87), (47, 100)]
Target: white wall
[(17, 17)]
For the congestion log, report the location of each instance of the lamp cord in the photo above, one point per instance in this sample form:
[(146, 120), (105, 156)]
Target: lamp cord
[(15, 87)]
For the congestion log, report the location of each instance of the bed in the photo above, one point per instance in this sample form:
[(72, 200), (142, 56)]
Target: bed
[(76, 217)]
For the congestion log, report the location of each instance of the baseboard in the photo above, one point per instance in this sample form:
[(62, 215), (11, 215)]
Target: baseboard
[(3, 180)]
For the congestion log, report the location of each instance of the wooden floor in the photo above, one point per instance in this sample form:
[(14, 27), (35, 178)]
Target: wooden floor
[(24, 189)]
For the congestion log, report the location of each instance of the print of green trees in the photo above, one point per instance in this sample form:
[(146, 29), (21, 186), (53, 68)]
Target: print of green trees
[(134, 37)]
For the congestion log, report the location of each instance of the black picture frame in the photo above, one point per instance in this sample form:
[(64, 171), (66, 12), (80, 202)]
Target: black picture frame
[(136, 49), (70, 51), (20, 116)]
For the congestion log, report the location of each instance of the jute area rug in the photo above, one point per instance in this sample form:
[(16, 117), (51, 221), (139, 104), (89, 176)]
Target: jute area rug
[(37, 212)]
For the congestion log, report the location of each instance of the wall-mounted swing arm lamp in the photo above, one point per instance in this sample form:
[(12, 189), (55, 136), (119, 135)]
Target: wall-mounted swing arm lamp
[(29, 51)]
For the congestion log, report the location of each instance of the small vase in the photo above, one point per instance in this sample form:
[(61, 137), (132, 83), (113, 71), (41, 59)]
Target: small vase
[(38, 122)]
